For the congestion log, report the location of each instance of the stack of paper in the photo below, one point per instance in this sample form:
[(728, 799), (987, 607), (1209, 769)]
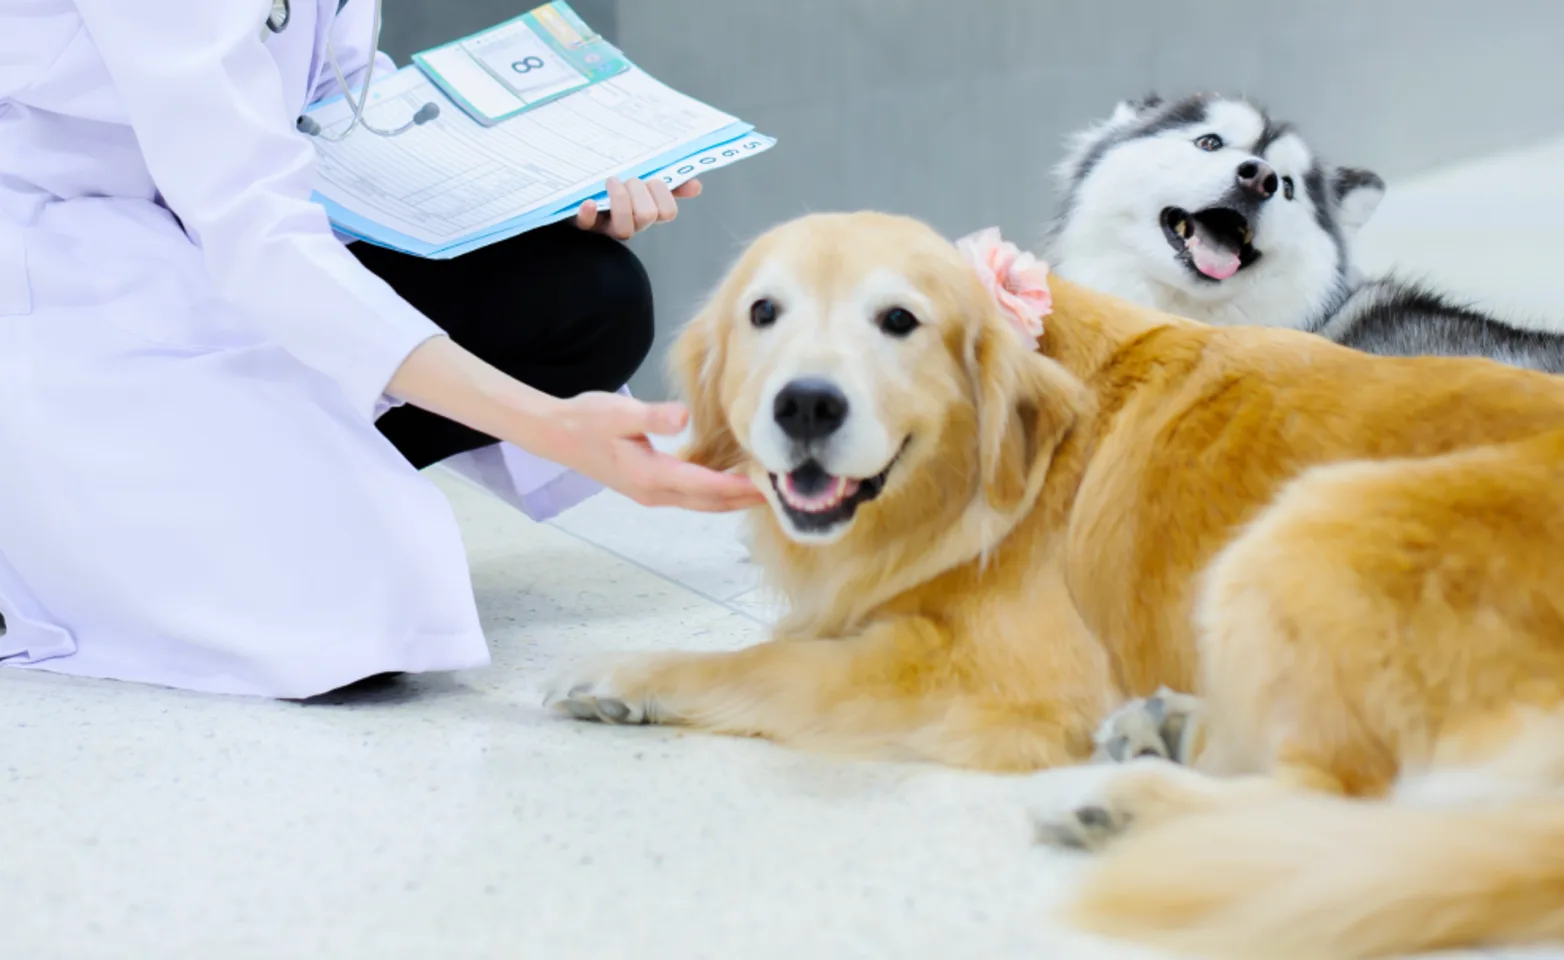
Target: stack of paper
[(454, 184)]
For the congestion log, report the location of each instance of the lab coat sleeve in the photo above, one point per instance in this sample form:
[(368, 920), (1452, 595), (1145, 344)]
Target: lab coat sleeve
[(206, 101), (350, 38)]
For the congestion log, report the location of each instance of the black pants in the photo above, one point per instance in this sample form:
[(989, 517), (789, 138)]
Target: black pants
[(560, 309)]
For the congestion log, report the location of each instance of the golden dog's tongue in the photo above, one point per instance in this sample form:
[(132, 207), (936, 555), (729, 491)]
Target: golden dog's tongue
[(824, 491)]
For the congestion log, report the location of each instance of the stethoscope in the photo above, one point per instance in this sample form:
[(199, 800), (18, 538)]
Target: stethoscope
[(277, 22)]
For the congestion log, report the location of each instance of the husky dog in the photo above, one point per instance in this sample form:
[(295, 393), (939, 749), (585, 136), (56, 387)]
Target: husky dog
[(1206, 208)]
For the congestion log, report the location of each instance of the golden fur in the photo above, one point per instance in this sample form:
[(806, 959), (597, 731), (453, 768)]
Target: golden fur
[(1354, 560)]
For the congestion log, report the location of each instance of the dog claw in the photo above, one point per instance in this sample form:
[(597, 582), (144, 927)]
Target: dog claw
[(1095, 817), (580, 709), (613, 711), (1088, 828)]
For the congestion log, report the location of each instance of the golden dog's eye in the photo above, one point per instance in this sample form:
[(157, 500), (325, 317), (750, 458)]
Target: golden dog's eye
[(898, 322), (1209, 142), (763, 313)]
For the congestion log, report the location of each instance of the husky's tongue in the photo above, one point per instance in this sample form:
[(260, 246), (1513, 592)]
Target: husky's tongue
[(1210, 255)]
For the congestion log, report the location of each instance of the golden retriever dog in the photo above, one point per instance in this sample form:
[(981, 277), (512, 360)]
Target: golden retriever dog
[(1355, 562)]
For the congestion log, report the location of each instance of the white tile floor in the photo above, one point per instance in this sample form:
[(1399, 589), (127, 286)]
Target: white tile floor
[(452, 818)]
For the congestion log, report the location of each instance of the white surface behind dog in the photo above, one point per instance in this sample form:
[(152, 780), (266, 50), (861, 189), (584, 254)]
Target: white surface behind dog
[(452, 818), (1487, 231)]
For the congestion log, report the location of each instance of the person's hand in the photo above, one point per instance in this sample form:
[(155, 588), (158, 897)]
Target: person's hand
[(599, 435), (635, 205), (604, 436)]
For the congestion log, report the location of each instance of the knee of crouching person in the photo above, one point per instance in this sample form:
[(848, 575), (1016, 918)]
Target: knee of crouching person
[(626, 316)]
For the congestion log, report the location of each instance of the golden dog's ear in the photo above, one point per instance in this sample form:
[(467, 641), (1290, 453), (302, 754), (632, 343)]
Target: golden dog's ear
[(697, 360), (1026, 405)]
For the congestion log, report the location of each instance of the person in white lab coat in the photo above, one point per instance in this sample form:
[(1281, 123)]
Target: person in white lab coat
[(193, 488)]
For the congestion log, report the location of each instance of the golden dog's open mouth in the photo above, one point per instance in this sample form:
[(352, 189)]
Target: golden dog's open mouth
[(816, 500)]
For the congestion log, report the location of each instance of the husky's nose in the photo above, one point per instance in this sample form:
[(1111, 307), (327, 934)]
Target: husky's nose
[(1258, 178), (810, 409)]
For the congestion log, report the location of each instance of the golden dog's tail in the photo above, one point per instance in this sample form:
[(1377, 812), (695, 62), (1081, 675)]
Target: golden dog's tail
[(1316, 877)]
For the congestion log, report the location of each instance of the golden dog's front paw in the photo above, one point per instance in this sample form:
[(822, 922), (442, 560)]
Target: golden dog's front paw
[(606, 690), (1165, 725)]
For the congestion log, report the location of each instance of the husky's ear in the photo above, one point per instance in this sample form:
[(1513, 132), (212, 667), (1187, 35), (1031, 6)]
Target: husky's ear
[(1026, 405), (1357, 194), (697, 361), (1129, 110), (1080, 144)]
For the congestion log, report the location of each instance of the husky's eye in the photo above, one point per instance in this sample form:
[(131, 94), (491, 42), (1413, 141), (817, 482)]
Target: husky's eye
[(1287, 187), (897, 322), (763, 313), (1209, 143)]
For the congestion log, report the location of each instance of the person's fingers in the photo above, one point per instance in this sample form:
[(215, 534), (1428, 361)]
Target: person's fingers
[(626, 417), (617, 428), (702, 504), (659, 479), (642, 204), (586, 217), (667, 206), (697, 487), (705, 506), (687, 190), (705, 500), (666, 419), (699, 503), (620, 215)]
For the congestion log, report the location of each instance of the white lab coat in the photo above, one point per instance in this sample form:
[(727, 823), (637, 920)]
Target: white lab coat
[(192, 490)]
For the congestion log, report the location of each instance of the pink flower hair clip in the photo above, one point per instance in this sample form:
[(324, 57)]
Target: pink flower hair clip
[(1015, 278)]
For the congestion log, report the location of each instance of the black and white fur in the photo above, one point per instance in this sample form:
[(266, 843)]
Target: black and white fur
[(1160, 181)]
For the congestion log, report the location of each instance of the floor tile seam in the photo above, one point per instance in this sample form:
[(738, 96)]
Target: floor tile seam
[(646, 568)]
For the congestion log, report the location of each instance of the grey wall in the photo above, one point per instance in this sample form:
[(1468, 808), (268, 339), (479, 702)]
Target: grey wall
[(954, 111)]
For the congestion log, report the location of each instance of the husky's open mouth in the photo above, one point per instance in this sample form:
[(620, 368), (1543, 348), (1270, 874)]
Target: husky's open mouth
[(1213, 243), (816, 501)]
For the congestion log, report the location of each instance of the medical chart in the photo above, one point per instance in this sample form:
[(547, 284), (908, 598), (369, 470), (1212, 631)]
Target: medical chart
[(453, 184)]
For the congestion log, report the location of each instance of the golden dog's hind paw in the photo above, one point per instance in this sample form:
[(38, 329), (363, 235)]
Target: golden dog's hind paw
[(1137, 794), (1088, 828), (1165, 724)]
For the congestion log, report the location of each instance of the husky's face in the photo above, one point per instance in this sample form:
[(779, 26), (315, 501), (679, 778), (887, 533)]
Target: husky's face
[(1206, 203)]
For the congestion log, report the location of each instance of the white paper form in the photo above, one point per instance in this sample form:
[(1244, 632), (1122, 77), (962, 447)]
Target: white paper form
[(452, 177)]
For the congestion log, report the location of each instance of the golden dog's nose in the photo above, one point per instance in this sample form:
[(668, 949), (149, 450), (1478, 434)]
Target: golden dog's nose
[(810, 409)]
